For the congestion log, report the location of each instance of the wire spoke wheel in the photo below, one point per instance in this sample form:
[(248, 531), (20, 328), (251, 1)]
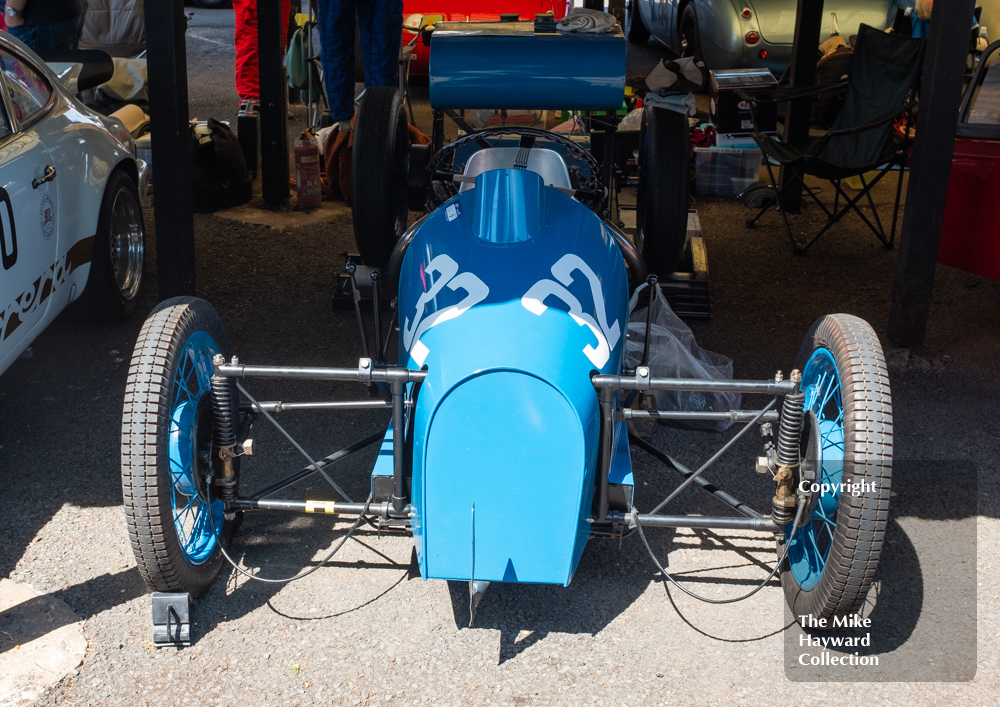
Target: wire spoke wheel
[(190, 449), (175, 520), (832, 558)]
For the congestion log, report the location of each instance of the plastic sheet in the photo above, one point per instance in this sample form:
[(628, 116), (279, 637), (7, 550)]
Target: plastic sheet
[(674, 353)]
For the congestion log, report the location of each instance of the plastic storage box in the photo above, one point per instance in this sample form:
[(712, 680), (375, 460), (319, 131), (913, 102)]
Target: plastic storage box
[(724, 172)]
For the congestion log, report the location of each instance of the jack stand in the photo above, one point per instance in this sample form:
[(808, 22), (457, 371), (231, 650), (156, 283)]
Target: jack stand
[(171, 619)]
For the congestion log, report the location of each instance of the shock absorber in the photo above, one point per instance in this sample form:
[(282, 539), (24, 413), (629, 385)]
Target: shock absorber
[(224, 429), (789, 456)]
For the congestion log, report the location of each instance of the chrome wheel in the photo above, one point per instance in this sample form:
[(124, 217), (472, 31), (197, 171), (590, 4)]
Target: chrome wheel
[(127, 244)]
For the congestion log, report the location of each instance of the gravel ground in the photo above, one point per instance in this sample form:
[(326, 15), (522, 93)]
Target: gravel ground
[(367, 630)]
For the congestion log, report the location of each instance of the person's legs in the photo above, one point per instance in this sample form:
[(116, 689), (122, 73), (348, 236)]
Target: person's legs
[(336, 36), (245, 39), (59, 36), (25, 33), (49, 36), (381, 35)]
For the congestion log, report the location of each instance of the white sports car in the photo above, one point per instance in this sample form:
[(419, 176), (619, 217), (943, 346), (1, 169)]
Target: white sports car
[(71, 224)]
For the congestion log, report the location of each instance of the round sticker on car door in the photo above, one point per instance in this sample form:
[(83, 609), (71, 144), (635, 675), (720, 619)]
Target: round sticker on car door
[(47, 215)]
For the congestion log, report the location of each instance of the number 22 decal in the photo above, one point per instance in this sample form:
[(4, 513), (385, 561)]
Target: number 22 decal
[(447, 271), (8, 235), (607, 336)]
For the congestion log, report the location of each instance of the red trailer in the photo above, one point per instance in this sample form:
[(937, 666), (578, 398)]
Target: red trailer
[(468, 10), (970, 235)]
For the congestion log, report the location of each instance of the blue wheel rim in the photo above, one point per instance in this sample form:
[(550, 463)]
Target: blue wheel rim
[(809, 550), (192, 382)]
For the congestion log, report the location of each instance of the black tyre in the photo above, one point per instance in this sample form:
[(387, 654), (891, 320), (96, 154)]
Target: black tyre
[(379, 174), (690, 35), (832, 558), (420, 157), (175, 522), (635, 28), (115, 278), (662, 195), (213, 4)]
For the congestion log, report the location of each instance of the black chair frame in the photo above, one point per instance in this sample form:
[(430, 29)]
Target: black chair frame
[(879, 152), (797, 174)]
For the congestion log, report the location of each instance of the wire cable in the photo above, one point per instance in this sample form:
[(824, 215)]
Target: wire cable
[(667, 576), (300, 575)]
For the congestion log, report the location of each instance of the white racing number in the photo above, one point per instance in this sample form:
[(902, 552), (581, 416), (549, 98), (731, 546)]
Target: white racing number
[(607, 336), (447, 271)]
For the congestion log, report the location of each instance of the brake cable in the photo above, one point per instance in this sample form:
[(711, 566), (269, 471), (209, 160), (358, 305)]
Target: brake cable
[(300, 575), (667, 576)]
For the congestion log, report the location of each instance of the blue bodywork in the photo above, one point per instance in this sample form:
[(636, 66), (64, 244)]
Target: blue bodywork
[(511, 295), (510, 65)]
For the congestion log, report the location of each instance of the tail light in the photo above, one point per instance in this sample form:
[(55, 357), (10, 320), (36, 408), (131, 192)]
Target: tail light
[(752, 37)]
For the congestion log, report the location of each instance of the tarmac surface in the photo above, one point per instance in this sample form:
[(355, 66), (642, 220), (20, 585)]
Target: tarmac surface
[(366, 630)]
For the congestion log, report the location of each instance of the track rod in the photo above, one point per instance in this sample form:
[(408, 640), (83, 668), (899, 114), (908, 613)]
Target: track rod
[(322, 507), (767, 387), (366, 372), (652, 520), (279, 406), (733, 415)]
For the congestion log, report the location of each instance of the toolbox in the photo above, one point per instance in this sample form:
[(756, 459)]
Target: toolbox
[(731, 114)]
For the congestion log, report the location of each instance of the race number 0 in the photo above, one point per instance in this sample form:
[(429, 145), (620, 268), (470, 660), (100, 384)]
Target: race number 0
[(8, 234)]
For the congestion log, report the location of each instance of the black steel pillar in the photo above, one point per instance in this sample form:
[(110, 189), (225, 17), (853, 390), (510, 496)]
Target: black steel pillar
[(803, 73), (930, 168), (166, 62), (273, 104)]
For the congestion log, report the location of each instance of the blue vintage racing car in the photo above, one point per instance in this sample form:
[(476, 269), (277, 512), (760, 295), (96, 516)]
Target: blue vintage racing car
[(507, 449)]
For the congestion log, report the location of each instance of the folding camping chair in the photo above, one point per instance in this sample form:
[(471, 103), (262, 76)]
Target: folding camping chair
[(885, 73)]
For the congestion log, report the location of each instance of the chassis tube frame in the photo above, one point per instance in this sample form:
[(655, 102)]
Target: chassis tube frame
[(730, 500), (398, 449), (607, 400)]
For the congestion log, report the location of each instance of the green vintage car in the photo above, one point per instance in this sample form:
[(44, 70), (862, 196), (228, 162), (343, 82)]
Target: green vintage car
[(730, 34)]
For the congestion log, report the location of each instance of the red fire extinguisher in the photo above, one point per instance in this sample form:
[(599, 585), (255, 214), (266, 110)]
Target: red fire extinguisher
[(307, 183)]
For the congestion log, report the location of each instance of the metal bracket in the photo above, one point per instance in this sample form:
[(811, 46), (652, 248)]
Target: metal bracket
[(642, 378), (171, 619), (365, 370)]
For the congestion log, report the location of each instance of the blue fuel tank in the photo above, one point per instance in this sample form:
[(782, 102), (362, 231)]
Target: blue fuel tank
[(510, 295), (510, 65)]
